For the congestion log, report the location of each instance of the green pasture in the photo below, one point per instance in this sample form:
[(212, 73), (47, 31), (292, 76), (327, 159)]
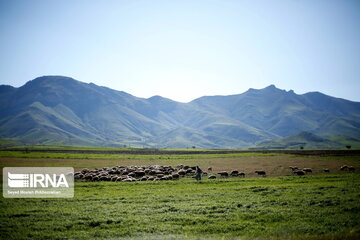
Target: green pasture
[(310, 207), (279, 206)]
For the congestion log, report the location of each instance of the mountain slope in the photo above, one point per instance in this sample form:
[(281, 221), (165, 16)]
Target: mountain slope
[(303, 140), (284, 113), (61, 110)]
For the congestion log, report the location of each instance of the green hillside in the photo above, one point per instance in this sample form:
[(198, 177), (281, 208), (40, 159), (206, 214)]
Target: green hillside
[(61, 110), (302, 140)]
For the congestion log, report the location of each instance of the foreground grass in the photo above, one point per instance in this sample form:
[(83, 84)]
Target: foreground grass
[(310, 207)]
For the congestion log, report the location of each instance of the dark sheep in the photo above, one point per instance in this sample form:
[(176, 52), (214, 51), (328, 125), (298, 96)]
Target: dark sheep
[(307, 170), (175, 176), (103, 178), (152, 172), (139, 173), (326, 170), (181, 172), (299, 172), (261, 173), (241, 174), (234, 173), (344, 167), (351, 169), (88, 177), (212, 177), (223, 174)]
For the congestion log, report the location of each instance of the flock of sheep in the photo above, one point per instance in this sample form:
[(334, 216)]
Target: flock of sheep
[(145, 173), (157, 173)]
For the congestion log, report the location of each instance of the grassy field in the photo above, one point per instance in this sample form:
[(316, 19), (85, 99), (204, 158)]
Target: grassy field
[(280, 206)]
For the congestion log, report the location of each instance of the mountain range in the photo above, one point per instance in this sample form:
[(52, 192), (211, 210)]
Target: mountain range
[(61, 110)]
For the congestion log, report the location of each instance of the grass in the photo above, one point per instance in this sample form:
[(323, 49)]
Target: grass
[(322, 206), (280, 206)]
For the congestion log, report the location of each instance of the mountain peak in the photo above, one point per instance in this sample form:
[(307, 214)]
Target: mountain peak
[(272, 86)]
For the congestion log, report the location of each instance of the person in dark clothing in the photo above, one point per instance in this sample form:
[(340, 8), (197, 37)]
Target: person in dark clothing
[(198, 173)]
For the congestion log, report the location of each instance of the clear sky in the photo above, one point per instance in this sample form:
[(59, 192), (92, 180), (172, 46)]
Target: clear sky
[(185, 49)]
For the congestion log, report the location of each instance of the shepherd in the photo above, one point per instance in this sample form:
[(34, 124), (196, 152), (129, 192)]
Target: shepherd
[(198, 173)]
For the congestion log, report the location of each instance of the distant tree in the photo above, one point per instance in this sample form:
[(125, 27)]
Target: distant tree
[(348, 146), (301, 147)]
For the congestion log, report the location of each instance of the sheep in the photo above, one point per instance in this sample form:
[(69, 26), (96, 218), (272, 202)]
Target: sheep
[(118, 179), (210, 169), (234, 173), (299, 172), (70, 174), (151, 178), (307, 170), (351, 169), (344, 167), (88, 176), (181, 172), (139, 173), (326, 170), (144, 178), (175, 176), (293, 168), (78, 176), (103, 178), (212, 177), (261, 173), (241, 174), (223, 174)]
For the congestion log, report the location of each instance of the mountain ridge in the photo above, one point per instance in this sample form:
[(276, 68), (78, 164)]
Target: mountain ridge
[(62, 110)]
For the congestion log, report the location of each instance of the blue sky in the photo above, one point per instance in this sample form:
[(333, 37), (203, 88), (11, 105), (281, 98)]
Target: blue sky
[(185, 49)]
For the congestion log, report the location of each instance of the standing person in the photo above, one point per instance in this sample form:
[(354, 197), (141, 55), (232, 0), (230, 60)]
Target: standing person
[(198, 173)]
